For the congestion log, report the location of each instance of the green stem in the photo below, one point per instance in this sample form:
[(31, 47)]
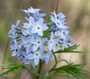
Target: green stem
[(39, 68)]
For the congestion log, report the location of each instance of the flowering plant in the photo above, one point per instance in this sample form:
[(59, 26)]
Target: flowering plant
[(36, 42)]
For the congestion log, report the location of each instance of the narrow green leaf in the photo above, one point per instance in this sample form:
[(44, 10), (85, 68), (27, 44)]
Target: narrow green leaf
[(46, 75), (74, 74), (49, 20), (70, 49), (67, 74), (11, 63), (14, 68), (18, 73), (82, 70), (4, 73)]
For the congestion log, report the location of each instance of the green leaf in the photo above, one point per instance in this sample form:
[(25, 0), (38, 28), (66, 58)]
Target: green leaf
[(14, 68), (67, 74), (82, 70), (49, 19), (11, 63), (46, 75), (74, 74), (18, 73), (70, 49)]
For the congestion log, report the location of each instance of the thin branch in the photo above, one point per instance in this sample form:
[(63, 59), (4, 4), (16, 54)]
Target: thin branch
[(57, 6)]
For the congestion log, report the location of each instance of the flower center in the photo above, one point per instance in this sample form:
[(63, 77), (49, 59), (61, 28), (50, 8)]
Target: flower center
[(38, 42), (38, 27)]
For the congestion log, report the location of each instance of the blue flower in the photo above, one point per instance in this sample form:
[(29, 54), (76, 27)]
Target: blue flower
[(48, 55), (66, 41), (13, 29), (36, 56), (30, 10), (26, 43), (13, 37), (52, 42), (62, 33), (28, 33), (28, 25), (37, 16), (58, 21), (15, 48), (39, 27), (38, 42)]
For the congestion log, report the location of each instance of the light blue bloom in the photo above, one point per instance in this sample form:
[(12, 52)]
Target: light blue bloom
[(39, 27), (48, 55), (28, 33), (52, 42), (13, 29), (37, 16), (30, 10), (36, 56), (65, 44), (28, 25), (61, 15), (66, 41), (27, 19), (26, 43), (38, 42), (13, 36), (15, 48), (69, 40), (58, 21), (62, 33)]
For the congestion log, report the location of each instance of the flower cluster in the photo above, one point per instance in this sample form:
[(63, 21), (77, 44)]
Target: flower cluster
[(30, 43)]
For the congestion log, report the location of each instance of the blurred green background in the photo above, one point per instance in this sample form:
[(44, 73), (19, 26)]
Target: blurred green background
[(77, 17)]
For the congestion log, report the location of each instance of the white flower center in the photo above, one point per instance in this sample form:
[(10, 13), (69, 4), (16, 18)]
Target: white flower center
[(37, 54), (51, 42)]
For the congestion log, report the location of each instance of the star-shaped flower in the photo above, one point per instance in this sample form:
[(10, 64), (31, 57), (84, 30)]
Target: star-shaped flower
[(15, 48), (62, 33), (58, 21), (13, 29), (48, 55), (39, 27), (52, 42), (28, 25), (26, 43), (38, 42), (36, 56), (30, 10)]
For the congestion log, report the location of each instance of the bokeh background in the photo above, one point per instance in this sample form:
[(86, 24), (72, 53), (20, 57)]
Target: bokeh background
[(77, 17)]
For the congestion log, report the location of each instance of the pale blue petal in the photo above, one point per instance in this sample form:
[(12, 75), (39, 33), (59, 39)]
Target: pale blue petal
[(31, 56), (33, 30), (36, 61), (14, 53), (44, 27), (57, 33), (26, 61), (51, 36), (35, 47), (44, 40), (32, 40), (54, 47), (40, 33), (56, 40), (25, 25), (40, 21)]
